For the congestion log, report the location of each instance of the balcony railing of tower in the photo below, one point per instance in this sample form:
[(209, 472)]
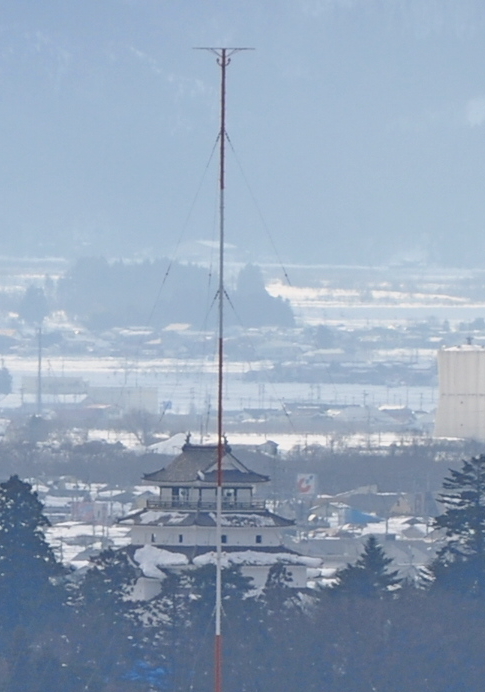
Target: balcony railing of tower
[(254, 505)]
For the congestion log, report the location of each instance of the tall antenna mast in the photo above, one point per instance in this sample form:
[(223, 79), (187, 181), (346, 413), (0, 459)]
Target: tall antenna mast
[(223, 60)]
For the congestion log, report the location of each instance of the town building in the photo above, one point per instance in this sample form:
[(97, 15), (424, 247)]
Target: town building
[(178, 529)]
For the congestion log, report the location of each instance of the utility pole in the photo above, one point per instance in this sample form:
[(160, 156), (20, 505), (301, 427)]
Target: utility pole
[(39, 370)]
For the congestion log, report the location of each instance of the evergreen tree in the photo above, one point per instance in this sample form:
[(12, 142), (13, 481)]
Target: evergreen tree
[(34, 306), (283, 615), (182, 620), (250, 281), (369, 576), (255, 307), (168, 623), (30, 585), (278, 594), (460, 564), (106, 632)]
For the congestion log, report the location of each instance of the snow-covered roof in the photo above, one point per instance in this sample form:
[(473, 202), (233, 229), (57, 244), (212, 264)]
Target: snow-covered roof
[(154, 518), (150, 517), (255, 520), (150, 559), (256, 557)]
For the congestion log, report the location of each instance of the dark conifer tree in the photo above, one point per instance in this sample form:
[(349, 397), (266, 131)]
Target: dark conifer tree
[(182, 620), (168, 640), (278, 594), (107, 633), (33, 611), (238, 624), (254, 305), (30, 577), (460, 564), (284, 643), (34, 307), (369, 577)]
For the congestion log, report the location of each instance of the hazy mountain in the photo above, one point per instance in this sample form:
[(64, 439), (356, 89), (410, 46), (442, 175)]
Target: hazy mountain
[(358, 125)]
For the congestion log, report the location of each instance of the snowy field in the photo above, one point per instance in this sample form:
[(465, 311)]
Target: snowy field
[(357, 308)]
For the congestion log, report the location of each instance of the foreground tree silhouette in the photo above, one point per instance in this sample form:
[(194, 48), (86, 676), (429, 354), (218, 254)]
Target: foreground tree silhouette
[(369, 576), (29, 573), (460, 564), (32, 597), (106, 633), (181, 634)]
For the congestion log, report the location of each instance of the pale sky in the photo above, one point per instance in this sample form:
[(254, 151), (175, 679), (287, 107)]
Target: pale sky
[(358, 124)]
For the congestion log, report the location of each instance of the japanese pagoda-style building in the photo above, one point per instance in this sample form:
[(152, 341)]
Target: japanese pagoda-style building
[(178, 530)]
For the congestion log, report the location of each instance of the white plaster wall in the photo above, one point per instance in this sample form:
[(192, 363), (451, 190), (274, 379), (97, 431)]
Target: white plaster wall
[(204, 536), (461, 406)]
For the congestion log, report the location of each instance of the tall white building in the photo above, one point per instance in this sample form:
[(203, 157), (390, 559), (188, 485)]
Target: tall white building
[(461, 405)]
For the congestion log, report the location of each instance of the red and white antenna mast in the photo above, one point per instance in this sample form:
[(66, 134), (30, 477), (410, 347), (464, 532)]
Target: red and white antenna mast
[(223, 60)]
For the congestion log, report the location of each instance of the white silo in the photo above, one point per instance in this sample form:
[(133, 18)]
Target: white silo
[(461, 406)]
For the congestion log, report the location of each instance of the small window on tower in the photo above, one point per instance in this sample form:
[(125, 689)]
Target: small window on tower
[(259, 538), (223, 538), (181, 537), (154, 538)]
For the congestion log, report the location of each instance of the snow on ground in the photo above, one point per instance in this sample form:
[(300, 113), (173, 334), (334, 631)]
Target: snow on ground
[(375, 307), (402, 527), (397, 526), (286, 442), (74, 541)]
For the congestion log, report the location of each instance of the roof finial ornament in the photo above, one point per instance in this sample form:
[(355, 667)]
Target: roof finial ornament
[(187, 438)]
